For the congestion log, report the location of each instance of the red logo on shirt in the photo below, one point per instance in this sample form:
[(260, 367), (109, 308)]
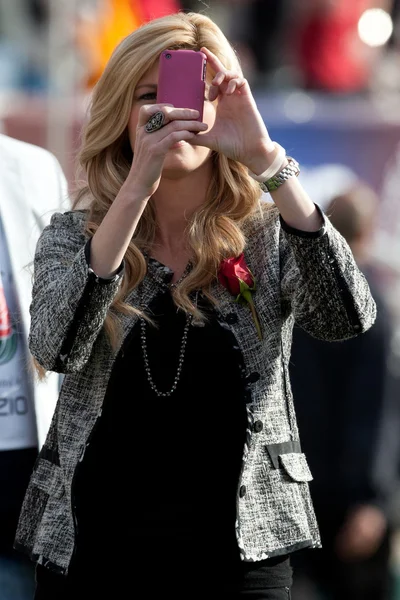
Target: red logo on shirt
[(8, 337)]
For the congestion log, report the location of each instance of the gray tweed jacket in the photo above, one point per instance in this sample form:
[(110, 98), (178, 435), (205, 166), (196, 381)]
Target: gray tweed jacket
[(310, 278)]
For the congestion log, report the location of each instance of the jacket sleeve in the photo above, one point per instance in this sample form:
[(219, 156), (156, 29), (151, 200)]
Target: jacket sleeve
[(322, 285), (69, 302)]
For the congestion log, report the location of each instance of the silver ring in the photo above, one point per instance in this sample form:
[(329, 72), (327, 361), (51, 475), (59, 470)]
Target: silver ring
[(155, 122)]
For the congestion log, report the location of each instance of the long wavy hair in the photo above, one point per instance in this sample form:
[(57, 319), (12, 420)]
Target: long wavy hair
[(214, 232)]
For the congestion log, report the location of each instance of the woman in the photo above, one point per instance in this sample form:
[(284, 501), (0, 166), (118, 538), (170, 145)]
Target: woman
[(173, 464)]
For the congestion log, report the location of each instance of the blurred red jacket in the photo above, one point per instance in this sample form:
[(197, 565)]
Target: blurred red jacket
[(329, 50)]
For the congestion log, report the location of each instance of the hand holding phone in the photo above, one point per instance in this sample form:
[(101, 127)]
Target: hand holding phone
[(181, 79)]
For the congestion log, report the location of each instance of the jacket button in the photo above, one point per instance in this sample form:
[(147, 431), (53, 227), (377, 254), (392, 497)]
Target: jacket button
[(258, 426), (242, 491), (231, 318), (253, 377)]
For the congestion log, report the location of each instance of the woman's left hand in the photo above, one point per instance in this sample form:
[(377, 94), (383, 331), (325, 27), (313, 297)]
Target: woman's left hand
[(239, 131)]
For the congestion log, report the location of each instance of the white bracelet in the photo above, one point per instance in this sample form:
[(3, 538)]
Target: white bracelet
[(276, 166)]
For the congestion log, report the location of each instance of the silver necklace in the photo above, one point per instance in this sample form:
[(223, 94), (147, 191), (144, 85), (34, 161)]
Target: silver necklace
[(182, 351)]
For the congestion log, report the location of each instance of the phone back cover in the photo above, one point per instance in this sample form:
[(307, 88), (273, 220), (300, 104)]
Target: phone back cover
[(180, 79)]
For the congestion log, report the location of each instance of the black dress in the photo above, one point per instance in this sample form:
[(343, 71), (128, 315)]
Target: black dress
[(156, 491)]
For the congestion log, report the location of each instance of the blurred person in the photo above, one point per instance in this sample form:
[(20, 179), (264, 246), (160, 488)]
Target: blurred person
[(260, 50), (349, 417), (102, 26), (327, 48), (23, 55), (32, 187), (172, 464), (244, 22)]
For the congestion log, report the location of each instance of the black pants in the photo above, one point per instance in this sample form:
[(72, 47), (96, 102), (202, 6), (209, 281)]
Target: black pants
[(50, 586)]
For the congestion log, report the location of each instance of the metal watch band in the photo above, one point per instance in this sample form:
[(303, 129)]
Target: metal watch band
[(292, 169)]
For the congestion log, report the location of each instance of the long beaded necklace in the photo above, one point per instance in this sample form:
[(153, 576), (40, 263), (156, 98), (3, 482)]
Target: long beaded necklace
[(181, 360)]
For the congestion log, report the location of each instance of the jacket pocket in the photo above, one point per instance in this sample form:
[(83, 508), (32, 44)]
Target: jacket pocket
[(47, 477), (287, 462), (296, 466), (285, 496)]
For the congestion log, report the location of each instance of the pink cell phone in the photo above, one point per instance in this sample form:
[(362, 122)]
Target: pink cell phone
[(181, 79)]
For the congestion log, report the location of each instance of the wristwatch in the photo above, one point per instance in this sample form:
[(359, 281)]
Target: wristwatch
[(291, 169)]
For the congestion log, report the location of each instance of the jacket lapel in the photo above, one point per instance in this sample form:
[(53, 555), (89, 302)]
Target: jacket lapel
[(21, 231)]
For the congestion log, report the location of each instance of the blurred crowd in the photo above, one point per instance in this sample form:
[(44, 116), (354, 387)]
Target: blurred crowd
[(348, 394), (328, 45)]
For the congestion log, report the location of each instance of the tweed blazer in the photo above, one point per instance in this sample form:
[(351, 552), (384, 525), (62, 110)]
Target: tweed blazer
[(310, 278)]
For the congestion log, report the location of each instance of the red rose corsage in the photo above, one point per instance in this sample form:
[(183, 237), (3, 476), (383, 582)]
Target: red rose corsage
[(236, 277)]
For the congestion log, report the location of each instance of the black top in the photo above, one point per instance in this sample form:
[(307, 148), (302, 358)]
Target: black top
[(158, 482)]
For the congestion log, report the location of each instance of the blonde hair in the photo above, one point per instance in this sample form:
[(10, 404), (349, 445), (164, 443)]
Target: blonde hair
[(215, 230)]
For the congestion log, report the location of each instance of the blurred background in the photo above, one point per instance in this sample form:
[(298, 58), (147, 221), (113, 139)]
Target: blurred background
[(326, 77)]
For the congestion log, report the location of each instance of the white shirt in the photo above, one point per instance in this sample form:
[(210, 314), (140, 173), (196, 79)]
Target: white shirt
[(17, 411), (32, 188)]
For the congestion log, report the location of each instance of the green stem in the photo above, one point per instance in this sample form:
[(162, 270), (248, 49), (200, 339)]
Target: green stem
[(249, 298)]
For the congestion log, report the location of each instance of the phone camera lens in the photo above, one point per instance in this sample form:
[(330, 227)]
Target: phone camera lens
[(168, 56)]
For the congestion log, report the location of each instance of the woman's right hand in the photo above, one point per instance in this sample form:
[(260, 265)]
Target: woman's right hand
[(150, 149), (114, 234)]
